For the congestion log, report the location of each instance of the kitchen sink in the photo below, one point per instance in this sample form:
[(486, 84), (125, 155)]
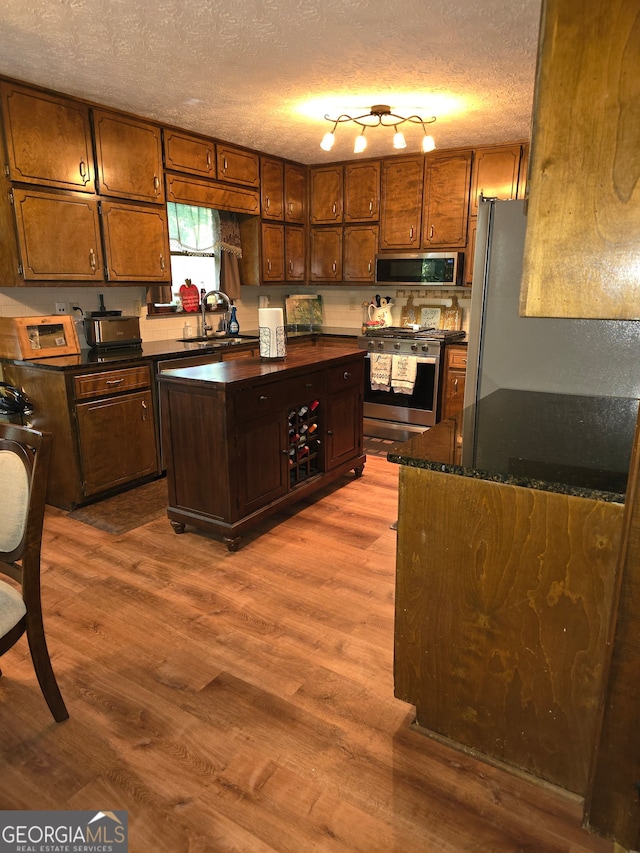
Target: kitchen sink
[(218, 340)]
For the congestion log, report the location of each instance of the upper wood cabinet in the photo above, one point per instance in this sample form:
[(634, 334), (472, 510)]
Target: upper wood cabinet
[(360, 249), (471, 251), (362, 192), (295, 193), (271, 189), (194, 155), (48, 139), (129, 157), (495, 174), (58, 236), (326, 194), (294, 250), (326, 254), (136, 241), (401, 202), (447, 182), (237, 165), (187, 190), (272, 251)]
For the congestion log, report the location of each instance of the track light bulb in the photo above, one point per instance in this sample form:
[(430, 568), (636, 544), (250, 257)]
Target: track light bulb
[(360, 144), (428, 144), (327, 142), (398, 139)]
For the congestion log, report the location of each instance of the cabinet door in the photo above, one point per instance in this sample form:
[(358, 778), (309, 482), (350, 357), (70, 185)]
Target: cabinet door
[(361, 192), (272, 252), (294, 246), (495, 174), (58, 236), (471, 251), (271, 189), (194, 155), (400, 215), (454, 381), (326, 254), (129, 157), (326, 194), (48, 139), (261, 462), (136, 242), (238, 166), (360, 248), (447, 182), (295, 193), (117, 441), (343, 413)]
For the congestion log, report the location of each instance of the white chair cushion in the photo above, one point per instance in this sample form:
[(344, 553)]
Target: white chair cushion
[(14, 500), (12, 607)]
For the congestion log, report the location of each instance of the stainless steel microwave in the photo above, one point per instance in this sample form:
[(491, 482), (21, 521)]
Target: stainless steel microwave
[(434, 269)]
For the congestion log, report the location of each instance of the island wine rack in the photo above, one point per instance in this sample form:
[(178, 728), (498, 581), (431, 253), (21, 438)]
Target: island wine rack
[(304, 442)]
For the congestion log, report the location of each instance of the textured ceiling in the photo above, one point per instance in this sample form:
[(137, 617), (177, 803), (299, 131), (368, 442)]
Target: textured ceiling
[(263, 73)]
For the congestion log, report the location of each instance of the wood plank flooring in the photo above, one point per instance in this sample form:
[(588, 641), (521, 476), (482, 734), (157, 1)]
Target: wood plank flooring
[(244, 701)]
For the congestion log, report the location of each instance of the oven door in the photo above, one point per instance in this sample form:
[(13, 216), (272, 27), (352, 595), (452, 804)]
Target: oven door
[(403, 413)]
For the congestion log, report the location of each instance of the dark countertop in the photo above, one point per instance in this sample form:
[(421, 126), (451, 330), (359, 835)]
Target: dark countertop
[(569, 444), (157, 350)]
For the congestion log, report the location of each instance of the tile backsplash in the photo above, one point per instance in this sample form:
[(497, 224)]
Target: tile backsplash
[(344, 307)]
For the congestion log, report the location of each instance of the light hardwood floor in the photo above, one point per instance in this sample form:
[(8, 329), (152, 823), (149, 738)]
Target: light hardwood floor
[(244, 701)]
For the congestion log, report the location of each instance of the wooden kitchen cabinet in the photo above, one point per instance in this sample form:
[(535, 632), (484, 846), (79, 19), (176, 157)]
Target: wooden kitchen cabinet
[(136, 240), (295, 193), (48, 139), (237, 165), (295, 255), (471, 251), (454, 380), (362, 192), (360, 249), (128, 157), (401, 193), (326, 194), (103, 424), (495, 174), (326, 254), (280, 435), (271, 189), (272, 249), (58, 236), (185, 152), (447, 183)]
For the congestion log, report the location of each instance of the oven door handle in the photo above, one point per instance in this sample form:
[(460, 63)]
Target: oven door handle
[(421, 359)]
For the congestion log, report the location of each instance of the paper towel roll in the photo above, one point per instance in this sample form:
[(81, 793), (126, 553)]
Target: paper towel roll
[(273, 340)]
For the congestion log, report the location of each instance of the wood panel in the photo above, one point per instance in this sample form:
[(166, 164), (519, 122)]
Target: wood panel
[(212, 194), (502, 612), (244, 701), (582, 252)]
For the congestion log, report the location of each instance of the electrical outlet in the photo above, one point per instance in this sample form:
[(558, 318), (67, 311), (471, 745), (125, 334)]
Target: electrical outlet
[(61, 307)]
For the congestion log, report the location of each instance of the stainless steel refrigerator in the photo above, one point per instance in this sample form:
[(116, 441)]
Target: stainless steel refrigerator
[(585, 357)]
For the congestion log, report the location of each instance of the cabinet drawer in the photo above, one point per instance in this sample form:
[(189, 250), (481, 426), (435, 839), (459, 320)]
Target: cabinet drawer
[(457, 358), (302, 389), (345, 376), (258, 400), (111, 381)]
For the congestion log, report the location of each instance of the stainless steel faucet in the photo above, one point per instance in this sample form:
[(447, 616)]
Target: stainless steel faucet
[(220, 295)]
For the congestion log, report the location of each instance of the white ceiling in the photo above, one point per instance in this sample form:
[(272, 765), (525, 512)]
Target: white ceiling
[(263, 73)]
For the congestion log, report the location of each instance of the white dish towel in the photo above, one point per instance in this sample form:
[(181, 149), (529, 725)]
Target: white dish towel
[(403, 373), (380, 371)]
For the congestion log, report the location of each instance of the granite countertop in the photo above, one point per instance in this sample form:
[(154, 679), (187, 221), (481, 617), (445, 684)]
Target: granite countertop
[(569, 444), (157, 350)]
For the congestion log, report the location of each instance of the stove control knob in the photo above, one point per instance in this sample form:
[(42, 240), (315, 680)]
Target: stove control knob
[(381, 345), (396, 346), (414, 347), (425, 347)]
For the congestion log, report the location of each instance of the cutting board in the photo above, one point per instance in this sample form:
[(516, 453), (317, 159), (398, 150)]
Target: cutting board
[(452, 317), (430, 318)]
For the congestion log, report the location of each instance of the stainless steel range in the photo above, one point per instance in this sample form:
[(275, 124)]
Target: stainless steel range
[(402, 379)]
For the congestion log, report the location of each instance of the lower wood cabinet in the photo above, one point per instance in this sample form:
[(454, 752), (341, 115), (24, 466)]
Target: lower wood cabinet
[(454, 380), (103, 425), (265, 438)]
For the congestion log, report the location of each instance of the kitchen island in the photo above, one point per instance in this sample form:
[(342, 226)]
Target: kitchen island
[(506, 577), (244, 438)]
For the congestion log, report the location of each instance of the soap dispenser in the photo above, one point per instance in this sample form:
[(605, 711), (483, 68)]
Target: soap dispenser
[(234, 326)]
